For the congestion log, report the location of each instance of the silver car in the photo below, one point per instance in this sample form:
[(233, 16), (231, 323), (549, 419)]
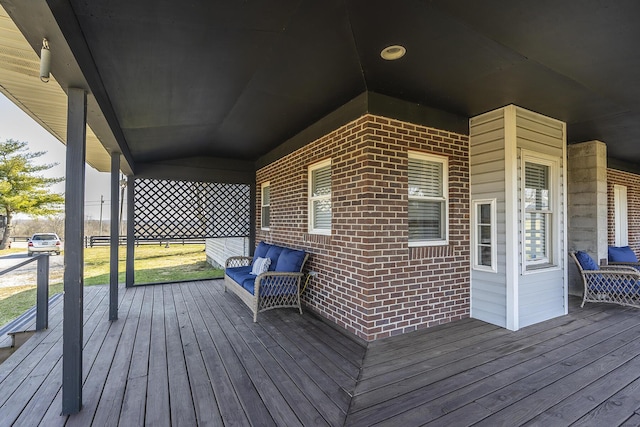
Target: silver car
[(44, 242)]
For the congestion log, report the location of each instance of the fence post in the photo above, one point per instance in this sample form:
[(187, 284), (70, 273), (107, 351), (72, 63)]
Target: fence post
[(42, 293)]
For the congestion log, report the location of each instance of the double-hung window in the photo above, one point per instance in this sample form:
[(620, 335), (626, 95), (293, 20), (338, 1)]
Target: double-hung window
[(538, 212), (428, 199), (265, 205), (320, 197)]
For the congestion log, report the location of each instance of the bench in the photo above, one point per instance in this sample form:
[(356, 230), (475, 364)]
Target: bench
[(618, 284), (270, 279)]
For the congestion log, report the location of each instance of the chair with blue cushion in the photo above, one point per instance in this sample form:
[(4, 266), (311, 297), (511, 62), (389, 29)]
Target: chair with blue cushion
[(617, 284), (276, 287)]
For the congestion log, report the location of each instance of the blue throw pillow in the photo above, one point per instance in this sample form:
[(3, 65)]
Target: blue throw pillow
[(586, 262), (290, 260), (621, 254), (260, 265)]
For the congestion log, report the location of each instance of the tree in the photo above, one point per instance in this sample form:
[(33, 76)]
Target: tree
[(22, 188)]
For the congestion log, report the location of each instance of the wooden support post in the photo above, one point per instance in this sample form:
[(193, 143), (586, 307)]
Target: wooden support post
[(74, 252), (130, 232), (115, 236), (42, 293)]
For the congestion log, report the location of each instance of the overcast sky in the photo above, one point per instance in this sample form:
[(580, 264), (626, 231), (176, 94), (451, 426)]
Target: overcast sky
[(15, 124)]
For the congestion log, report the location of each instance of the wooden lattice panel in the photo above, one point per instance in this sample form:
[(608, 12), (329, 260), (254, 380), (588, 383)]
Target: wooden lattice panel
[(187, 210)]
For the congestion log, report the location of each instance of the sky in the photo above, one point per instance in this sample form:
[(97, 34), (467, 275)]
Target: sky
[(17, 125)]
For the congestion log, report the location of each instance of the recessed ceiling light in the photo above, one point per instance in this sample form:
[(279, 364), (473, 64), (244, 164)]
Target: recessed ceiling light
[(391, 53)]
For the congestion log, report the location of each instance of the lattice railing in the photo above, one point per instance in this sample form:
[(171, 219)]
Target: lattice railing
[(185, 210)]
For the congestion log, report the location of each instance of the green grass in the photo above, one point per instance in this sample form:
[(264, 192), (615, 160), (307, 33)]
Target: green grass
[(152, 264)]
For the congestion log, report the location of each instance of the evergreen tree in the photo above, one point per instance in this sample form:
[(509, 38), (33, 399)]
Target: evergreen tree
[(22, 188)]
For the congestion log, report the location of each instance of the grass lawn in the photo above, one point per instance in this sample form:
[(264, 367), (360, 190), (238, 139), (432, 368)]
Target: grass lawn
[(153, 263)]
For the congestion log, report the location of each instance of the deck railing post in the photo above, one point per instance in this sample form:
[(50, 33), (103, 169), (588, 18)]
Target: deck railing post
[(42, 292)]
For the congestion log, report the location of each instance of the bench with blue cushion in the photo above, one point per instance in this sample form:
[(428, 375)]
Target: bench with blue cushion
[(618, 284), (270, 279)]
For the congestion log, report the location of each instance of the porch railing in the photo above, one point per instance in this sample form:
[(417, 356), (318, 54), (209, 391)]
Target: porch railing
[(42, 292)]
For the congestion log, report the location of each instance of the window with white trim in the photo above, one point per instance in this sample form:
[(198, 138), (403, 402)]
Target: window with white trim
[(320, 197), (265, 205), (538, 212), (428, 199), (484, 253)]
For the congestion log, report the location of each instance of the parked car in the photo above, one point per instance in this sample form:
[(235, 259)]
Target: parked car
[(44, 242)]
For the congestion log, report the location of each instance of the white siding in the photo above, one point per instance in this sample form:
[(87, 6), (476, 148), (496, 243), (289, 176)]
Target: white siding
[(542, 295), (512, 297), (219, 249), (487, 181)]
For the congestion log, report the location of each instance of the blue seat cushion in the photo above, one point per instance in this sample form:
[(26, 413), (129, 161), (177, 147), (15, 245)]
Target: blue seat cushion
[(290, 260), (621, 254), (604, 283), (239, 274), (586, 262), (274, 253)]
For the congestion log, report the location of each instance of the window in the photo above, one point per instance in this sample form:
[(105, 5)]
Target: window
[(320, 198), (428, 199), (620, 215), (538, 212), (265, 211), (484, 235)]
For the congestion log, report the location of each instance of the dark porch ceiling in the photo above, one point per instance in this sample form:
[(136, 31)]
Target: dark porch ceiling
[(235, 79)]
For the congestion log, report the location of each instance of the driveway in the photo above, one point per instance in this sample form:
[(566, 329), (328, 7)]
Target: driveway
[(26, 275)]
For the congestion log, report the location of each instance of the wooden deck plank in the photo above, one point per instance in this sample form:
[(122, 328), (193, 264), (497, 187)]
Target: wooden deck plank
[(207, 413), (616, 409), (544, 398), (182, 406), (133, 407), (236, 397), (253, 376), (108, 410), (26, 378), (22, 354), (158, 410), (271, 356), (463, 388), (590, 397), (102, 353), (286, 341), (43, 407)]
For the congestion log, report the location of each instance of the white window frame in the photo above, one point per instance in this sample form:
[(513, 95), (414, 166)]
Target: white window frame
[(312, 198), (551, 242), (475, 237), (264, 186), (620, 215), (444, 198)]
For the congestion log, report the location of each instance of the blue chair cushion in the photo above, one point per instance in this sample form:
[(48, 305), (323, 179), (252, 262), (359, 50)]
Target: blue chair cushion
[(239, 274), (261, 251), (621, 254), (274, 253), (586, 262), (290, 260)]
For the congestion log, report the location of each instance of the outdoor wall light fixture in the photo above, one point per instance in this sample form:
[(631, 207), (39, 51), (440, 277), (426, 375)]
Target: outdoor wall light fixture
[(45, 61), (391, 53)]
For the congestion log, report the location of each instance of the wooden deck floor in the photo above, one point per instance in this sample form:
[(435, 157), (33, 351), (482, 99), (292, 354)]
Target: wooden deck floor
[(189, 354)]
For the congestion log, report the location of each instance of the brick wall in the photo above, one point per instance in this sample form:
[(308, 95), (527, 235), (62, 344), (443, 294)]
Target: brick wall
[(369, 281), (632, 182)]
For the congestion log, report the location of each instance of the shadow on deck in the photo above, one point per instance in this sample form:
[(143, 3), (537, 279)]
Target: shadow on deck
[(189, 354)]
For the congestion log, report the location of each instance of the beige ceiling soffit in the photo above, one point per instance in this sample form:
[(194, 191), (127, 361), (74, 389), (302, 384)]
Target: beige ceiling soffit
[(44, 103)]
